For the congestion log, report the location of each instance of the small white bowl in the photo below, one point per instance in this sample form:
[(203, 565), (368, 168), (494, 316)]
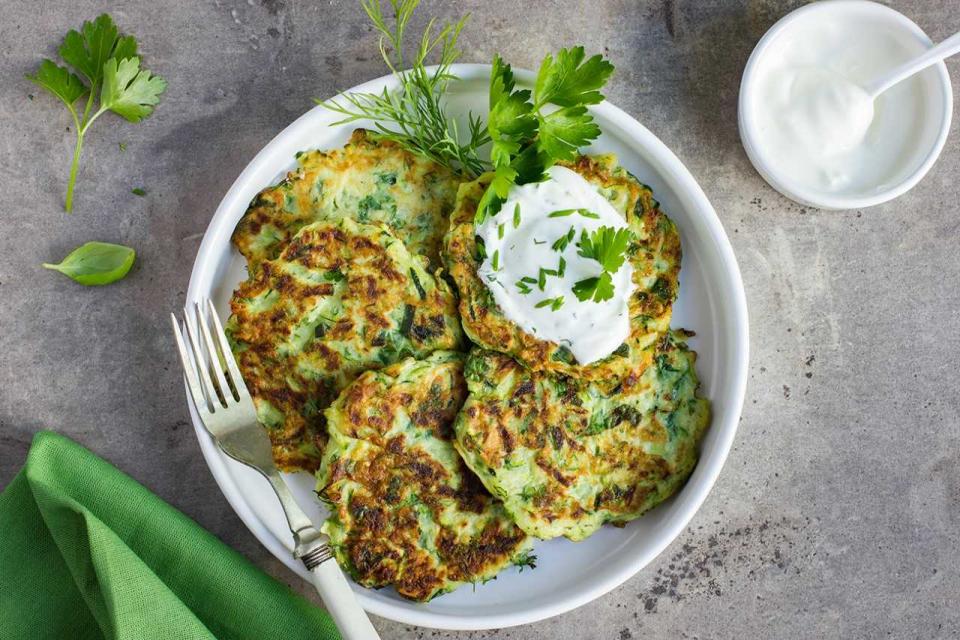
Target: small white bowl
[(937, 101)]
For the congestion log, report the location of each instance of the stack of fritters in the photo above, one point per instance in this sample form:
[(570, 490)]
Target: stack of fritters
[(349, 338), (567, 446)]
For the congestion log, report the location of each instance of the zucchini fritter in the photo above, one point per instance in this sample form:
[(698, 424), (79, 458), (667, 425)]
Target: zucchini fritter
[(565, 456), (654, 254), (370, 179), (341, 298), (405, 510)]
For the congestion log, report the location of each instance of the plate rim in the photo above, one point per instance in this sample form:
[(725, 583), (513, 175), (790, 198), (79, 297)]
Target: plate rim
[(669, 164)]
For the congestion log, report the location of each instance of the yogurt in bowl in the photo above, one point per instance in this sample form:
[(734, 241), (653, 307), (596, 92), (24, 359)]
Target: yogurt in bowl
[(811, 130)]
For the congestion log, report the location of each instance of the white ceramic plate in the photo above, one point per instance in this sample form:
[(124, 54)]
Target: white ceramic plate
[(568, 575)]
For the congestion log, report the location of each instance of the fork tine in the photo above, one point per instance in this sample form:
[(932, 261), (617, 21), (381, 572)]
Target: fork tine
[(215, 361), (189, 372), (227, 353), (211, 391)]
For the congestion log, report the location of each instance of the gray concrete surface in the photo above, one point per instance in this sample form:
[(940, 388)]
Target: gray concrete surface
[(837, 513)]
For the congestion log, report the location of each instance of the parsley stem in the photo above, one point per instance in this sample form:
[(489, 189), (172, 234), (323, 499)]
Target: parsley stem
[(68, 204), (75, 165)]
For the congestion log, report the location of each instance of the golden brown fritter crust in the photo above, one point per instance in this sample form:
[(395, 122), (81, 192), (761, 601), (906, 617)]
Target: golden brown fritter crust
[(370, 179), (405, 509), (654, 255), (565, 456), (341, 298)]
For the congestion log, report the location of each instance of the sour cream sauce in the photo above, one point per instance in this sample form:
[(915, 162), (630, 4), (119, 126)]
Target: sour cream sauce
[(815, 121), (590, 330)]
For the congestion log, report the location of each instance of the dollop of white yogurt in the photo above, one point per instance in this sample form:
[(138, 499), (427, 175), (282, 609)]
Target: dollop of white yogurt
[(520, 240), (815, 123), (823, 111)]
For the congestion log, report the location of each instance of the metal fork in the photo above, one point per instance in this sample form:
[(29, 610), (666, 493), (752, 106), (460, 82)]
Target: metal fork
[(226, 410)]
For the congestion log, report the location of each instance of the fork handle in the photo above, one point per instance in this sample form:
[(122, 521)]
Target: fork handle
[(341, 602)]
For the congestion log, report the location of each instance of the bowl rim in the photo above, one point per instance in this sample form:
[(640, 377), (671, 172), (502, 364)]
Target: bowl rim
[(811, 197), (697, 488)]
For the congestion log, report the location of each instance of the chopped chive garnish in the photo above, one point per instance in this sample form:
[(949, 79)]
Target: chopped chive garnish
[(500, 231), (523, 287), (542, 277), (528, 279), (516, 216), (495, 261), (561, 243), (562, 267), (563, 213), (553, 303)]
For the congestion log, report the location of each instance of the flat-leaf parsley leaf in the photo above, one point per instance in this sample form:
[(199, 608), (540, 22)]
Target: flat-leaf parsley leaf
[(608, 246), (568, 81), (598, 289)]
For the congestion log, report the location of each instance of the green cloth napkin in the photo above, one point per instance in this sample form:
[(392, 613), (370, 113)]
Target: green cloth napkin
[(87, 552)]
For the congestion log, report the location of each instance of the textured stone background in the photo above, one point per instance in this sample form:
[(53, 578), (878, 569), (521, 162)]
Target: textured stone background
[(837, 513)]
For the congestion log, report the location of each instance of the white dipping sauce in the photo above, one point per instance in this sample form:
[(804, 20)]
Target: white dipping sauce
[(817, 124), (591, 330), (821, 110)]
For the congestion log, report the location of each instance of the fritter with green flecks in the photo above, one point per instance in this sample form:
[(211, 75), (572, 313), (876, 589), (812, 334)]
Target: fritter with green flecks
[(370, 179), (565, 456), (405, 510), (654, 254), (341, 298)]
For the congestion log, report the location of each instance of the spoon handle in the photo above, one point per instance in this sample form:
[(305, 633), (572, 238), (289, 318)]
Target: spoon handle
[(945, 49)]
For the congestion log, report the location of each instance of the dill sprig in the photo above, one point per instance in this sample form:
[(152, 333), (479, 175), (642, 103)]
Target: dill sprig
[(414, 115)]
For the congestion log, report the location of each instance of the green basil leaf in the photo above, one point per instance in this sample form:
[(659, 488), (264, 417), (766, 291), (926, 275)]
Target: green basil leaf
[(96, 263)]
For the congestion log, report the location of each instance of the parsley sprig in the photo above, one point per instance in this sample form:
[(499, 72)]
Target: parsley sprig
[(608, 246), (414, 115), (526, 140), (109, 64)]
